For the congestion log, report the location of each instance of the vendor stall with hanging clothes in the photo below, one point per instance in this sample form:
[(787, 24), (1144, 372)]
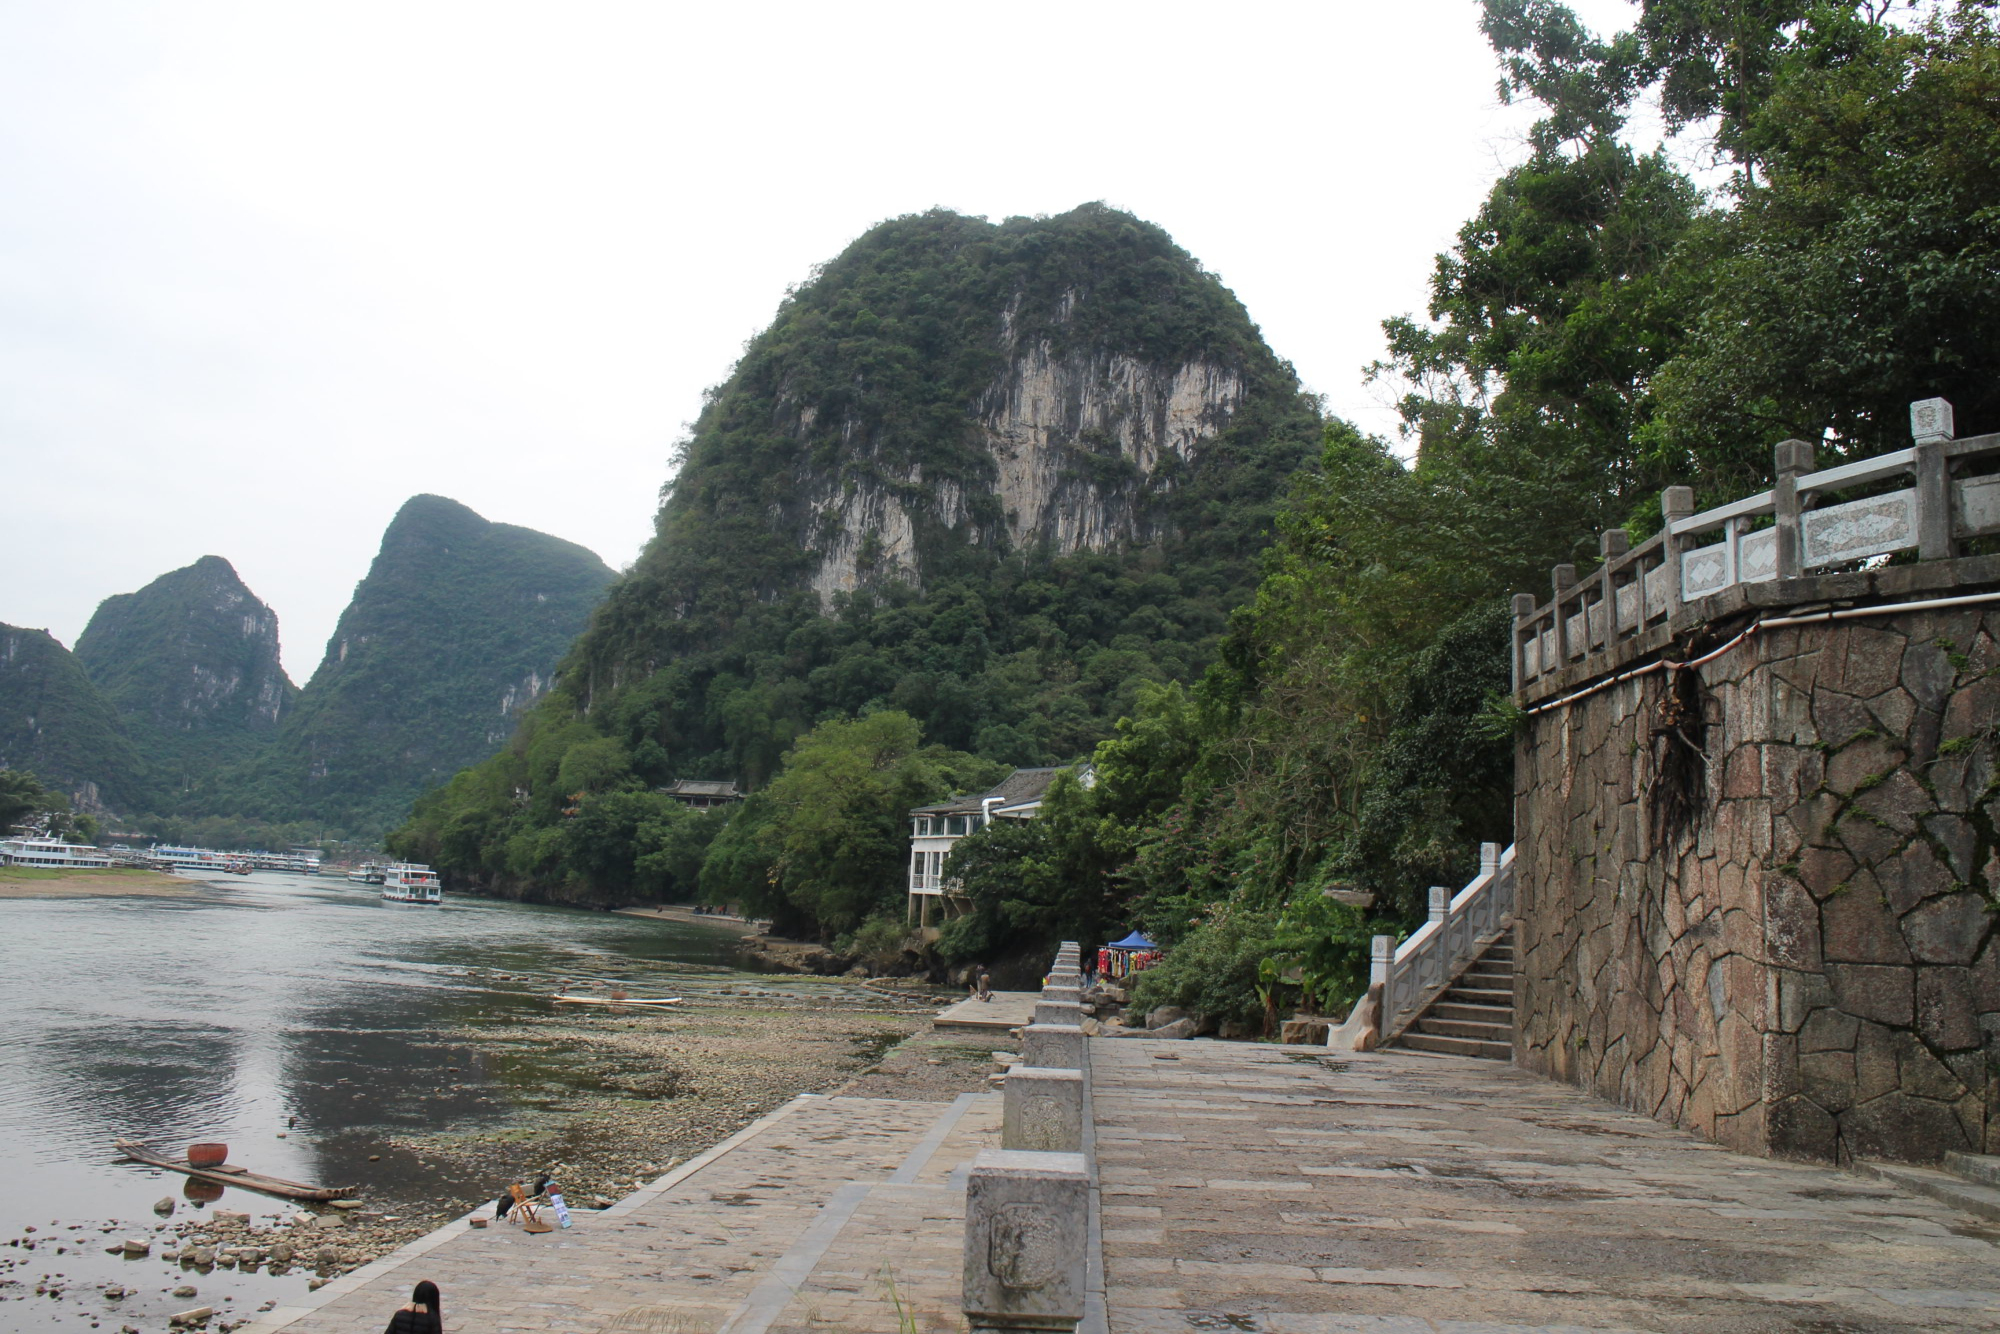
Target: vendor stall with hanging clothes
[(1122, 958)]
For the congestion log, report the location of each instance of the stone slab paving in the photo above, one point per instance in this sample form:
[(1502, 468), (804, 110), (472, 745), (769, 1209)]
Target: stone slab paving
[(1290, 1191), (722, 1243), (1007, 1009)]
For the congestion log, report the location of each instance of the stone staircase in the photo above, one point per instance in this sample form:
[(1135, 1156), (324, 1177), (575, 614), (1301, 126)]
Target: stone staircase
[(1474, 1016), (1968, 1181)]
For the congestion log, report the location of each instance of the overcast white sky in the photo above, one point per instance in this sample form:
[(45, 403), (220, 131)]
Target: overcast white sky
[(267, 270)]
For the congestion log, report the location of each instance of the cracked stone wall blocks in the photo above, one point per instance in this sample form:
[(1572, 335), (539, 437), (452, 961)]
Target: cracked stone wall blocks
[(1813, 969)]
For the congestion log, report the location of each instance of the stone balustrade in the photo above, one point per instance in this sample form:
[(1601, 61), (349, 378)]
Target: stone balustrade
[(1405, 978), (1028, 1203), (1924, 499)]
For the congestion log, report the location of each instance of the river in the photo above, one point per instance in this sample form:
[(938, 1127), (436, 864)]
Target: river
[(296, 1018)]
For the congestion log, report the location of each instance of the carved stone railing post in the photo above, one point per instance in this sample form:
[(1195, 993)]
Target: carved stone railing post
[(1931, 428), (1676, 503), (1791, 460), (1489, 859), (1611, 545), (1381, 969), (1525, 629), (1058, 1012), (1027, 1232), (1563, 578), (1042, 1110), (1053, 1046)]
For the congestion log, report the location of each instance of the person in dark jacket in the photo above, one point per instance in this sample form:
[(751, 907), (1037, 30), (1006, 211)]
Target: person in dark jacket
[(423, 1315)]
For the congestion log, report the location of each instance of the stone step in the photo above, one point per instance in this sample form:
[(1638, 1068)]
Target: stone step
[(1981, 1169), (1941, 1186), (1438, 1026), (1465, 995), (1499, 954), (1494, 1051), (1481, 975), (1478, 1014)]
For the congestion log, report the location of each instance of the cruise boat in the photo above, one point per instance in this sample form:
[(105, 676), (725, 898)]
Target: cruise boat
[(52, 854), (168, 857), (407, 882), (368, 873)]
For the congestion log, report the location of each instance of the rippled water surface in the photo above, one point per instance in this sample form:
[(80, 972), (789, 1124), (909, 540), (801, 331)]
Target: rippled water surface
[(295, 1018)]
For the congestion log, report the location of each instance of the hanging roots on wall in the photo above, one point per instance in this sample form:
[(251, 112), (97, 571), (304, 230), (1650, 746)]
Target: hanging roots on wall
[(1680, 756)]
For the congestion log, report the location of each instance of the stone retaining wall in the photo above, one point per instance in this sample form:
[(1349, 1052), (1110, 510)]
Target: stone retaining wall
[(1809, 968)]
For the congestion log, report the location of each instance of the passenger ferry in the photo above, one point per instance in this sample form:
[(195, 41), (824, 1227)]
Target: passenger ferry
[(53, 854), (368, 873), (406, 882), (168, 857)]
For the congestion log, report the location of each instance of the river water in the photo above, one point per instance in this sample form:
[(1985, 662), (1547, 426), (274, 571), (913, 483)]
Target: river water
[(297, 1019)]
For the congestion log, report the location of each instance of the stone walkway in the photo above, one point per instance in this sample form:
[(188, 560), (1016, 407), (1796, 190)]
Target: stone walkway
[(1288, 1191), (821, 1216), (1249, 1188), (1007, 1009)]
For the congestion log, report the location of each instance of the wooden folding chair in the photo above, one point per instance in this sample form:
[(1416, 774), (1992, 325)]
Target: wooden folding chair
[(525, 1213)]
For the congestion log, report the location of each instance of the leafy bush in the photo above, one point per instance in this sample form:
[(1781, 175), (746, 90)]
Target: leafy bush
[(1215, 970)]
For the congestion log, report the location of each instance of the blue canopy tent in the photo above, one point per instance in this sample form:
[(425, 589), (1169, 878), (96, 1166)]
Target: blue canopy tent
[(1122, 958)]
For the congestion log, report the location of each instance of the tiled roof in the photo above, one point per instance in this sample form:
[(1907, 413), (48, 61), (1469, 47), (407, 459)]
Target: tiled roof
[(1016, 789), (701, 787)]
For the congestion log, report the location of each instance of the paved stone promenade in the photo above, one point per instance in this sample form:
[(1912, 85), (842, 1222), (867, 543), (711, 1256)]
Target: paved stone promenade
[(1249, 1188), (1288, 1191), (819, 1217)]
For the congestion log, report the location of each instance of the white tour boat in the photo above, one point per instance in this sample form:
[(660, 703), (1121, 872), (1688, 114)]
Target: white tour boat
[(368, 873), (406, 882), (53, 854)]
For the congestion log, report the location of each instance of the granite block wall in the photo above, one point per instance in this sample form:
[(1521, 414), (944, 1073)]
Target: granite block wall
[(1810, 967)]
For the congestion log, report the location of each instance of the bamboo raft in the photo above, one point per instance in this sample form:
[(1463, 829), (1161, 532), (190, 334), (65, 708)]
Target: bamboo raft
[(608, 1000), (225, 1175)]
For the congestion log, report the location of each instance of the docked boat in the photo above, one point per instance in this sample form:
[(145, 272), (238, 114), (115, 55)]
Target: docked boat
[(408, 882), (170, 857), (52, 854)]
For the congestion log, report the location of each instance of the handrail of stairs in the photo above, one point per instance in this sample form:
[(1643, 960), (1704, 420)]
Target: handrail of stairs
[(1416, 972)]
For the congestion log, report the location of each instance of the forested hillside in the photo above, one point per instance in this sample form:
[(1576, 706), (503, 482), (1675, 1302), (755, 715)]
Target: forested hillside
[(55, 725), (1601, 328), (453, 634), (996, 478), (190, 664)]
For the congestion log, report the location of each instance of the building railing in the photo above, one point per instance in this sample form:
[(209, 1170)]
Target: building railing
[(1430, 959), (1795, 527)]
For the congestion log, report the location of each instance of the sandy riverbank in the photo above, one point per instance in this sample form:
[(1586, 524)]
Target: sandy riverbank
[(34, 882)]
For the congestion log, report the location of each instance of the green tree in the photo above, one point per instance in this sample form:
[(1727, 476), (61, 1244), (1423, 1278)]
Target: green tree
[(825, 845)]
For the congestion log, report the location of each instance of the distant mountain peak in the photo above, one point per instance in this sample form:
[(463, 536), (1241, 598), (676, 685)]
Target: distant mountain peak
[(190, 665)]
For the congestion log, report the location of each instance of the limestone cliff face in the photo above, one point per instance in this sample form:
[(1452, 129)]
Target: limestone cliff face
[(1076, 443)]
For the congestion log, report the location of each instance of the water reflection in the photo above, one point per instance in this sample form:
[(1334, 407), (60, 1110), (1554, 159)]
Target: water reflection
[(296, 1019)]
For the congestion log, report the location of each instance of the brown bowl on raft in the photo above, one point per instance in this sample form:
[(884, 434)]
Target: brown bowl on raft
[(207, 1155)]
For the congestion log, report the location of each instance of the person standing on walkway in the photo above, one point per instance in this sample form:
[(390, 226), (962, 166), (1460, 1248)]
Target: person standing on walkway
[(423, 1314)]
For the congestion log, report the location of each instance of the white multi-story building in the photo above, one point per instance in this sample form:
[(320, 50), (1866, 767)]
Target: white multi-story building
[(934, 829)]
